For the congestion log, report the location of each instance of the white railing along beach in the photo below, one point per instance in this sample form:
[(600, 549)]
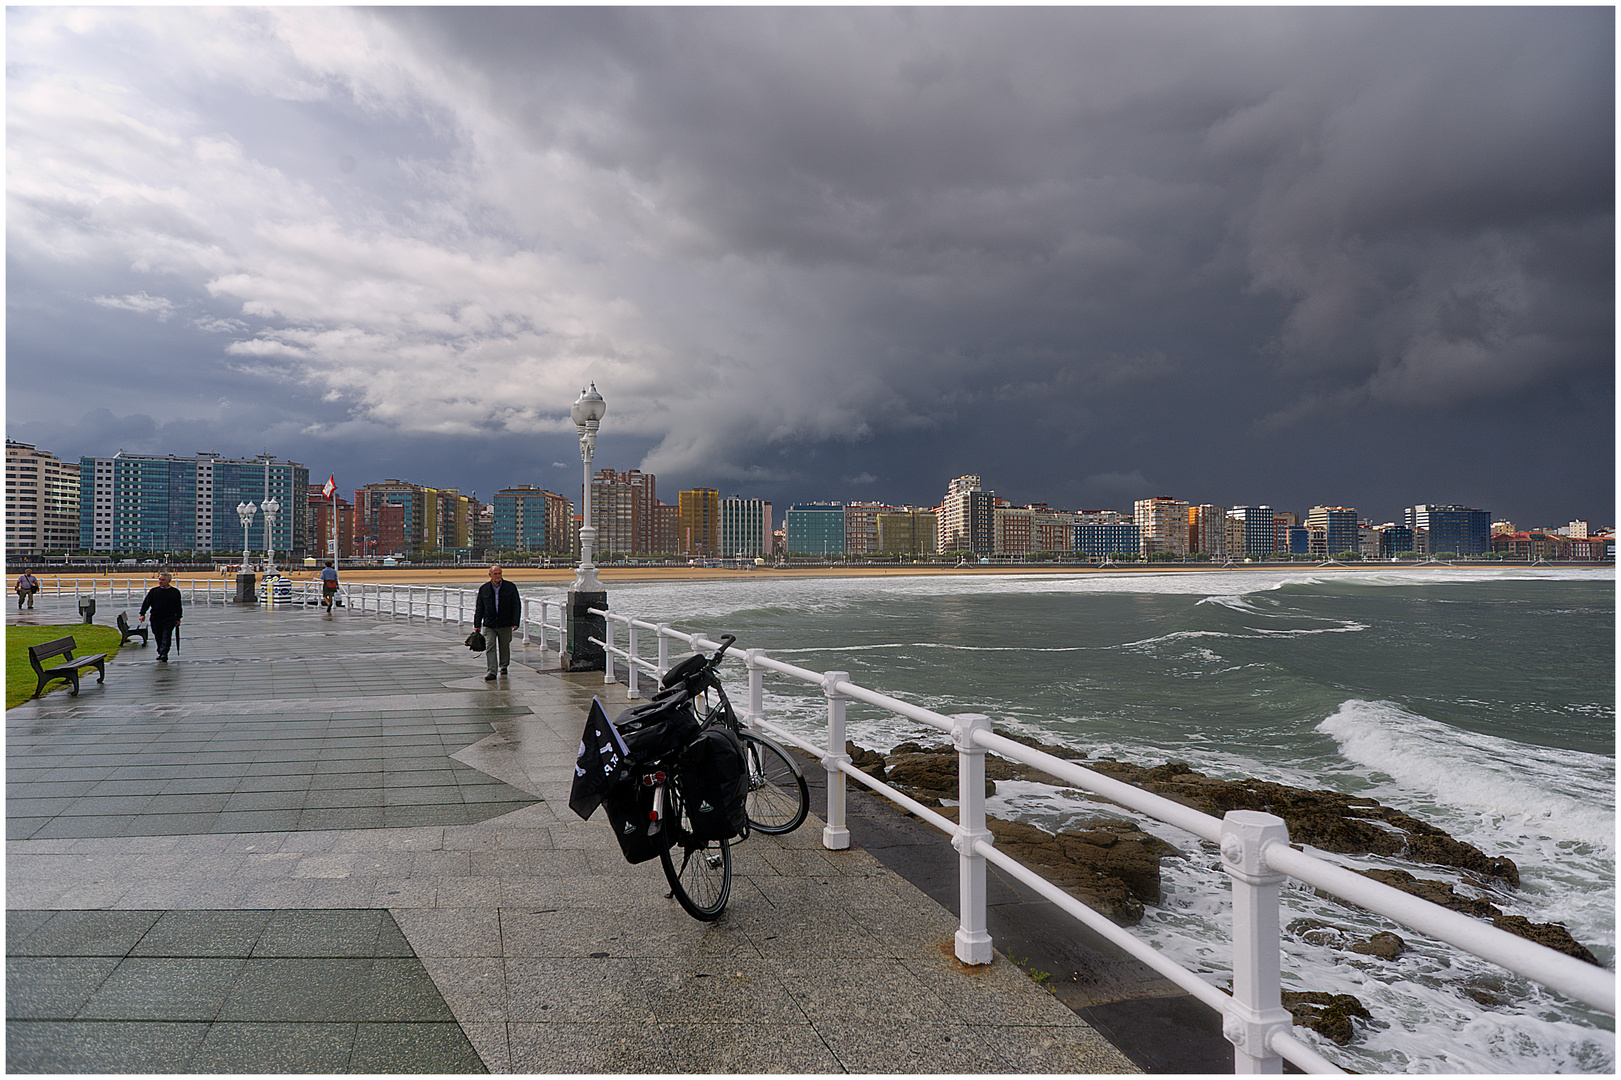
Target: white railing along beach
[(1254, 848)]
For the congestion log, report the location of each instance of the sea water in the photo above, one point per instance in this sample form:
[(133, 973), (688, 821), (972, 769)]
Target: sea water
[(1480, 700)]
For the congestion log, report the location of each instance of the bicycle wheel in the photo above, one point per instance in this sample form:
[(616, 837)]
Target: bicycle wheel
[(700, 871), (778, 799)]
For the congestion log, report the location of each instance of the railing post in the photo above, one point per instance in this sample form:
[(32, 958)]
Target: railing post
[(973, 939), (607, 650), (630, 661), (523, 620), (835, 834), (664, 648), (756, 706), (1257, 1003)]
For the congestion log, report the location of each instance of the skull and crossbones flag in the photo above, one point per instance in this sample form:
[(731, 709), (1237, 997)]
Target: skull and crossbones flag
[(597, 765)]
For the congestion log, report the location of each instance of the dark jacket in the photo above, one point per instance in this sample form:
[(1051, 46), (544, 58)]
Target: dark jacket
[(164, 604), (491, 609)]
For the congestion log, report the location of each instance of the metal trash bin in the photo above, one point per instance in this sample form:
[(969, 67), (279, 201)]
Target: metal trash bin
[(87, 607)]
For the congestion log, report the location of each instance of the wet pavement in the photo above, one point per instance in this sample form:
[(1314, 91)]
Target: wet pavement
[(323, 843)]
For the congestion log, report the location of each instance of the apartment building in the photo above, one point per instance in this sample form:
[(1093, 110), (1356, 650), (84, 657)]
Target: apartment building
[(861, 526), (318, 543), (699, 524), (745, 527), (967, 518), (1252, 532), (1437, 529), (529, 520), (814, 529), (1162, 526), (1333, 530), (1207, 530), (158, 504), (42, 502), (909, 532), (622, 509)]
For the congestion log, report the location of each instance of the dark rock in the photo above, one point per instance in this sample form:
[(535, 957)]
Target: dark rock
[(931, 773), (870, 762), (1554, 935), (1329, 1015), (1385, 945)]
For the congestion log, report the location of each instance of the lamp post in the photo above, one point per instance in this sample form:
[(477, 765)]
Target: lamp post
[(244, 576), (270, 506), (587, 592)]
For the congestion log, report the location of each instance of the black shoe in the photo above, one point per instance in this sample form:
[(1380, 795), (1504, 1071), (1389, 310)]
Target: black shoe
[(503, 671), (163, 659), (490, 677)]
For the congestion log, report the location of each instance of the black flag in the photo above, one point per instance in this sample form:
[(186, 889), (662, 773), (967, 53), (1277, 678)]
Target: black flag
[(600, 760)]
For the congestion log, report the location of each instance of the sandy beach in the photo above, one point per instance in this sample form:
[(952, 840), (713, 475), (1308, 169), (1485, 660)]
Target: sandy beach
[(562, 576)]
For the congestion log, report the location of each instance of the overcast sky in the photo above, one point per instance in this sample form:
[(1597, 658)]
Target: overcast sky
[(1355, 256)]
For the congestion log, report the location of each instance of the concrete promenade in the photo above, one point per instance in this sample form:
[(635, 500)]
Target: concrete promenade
[(323, 843)]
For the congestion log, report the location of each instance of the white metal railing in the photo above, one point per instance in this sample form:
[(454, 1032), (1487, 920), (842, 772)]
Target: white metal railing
[(1254, 847), (542, 621)]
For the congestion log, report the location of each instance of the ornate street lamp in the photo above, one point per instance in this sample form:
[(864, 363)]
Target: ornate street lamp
[(588, 412), (245, 511), (270, 506), (587, 592)]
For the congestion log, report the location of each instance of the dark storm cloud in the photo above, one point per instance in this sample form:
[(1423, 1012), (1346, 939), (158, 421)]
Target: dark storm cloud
[(1233, 255)]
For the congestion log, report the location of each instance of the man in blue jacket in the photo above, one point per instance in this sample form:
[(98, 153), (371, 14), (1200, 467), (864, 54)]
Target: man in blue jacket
[(497, 610)]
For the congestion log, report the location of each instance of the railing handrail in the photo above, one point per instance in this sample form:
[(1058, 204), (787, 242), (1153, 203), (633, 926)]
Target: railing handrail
[(1254, 1035)]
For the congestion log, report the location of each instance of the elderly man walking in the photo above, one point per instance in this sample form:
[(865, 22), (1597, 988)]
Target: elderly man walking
[(497, 610)]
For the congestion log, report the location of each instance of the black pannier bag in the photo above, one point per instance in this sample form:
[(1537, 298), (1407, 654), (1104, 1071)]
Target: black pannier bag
[(629, 805), (714, 785), (658, 727)]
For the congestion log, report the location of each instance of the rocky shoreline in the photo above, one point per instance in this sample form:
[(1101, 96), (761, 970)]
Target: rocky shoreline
[(1114, 866)]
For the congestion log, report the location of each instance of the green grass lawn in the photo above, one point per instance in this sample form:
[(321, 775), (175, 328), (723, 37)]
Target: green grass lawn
[(20, 677)]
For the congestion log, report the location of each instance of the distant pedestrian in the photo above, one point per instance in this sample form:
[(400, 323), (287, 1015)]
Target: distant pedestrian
[(329, 584), (27, 586), (163, 600), (497, 610)]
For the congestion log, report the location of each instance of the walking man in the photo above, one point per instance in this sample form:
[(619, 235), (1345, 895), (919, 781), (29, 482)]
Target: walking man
[(163, 600), (27, 586), (497, 610), (329, 584)]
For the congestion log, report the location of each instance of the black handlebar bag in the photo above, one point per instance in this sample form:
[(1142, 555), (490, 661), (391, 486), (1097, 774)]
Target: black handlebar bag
[(658, 727)]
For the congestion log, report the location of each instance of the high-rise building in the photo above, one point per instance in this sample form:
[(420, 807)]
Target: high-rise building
[(1207, 530), (1162, 526), (147, 503), (745, 527), (814, 529), (1338, 527), (42, 502), (1105, 534), (529, 520), (1051, 530), (968, 518), (1441, 530), (622, 508), (1255, 535), (909, 532), (408, 528), (861, 527), (1010, 530), (700, 522)]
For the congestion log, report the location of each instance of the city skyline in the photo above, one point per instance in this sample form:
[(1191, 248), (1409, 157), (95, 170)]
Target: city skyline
[(1287, 256)]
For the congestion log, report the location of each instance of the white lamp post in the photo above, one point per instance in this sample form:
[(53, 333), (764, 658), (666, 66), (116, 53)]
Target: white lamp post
[(588, 412), (270, 506), (245, 511), (581, 652)]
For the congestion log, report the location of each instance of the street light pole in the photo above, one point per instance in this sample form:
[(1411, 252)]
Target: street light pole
[(270, 506), (244, 576), (584, 654)]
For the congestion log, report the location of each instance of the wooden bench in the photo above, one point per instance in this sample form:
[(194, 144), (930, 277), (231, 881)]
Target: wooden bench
[(126, 633), (63, 647)]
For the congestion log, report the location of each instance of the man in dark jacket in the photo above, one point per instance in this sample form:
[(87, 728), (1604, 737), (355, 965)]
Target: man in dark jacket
[(163, 600), (497, 610)]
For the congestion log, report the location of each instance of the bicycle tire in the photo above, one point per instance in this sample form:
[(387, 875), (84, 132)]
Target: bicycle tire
[(778, 799), (699, 871)]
